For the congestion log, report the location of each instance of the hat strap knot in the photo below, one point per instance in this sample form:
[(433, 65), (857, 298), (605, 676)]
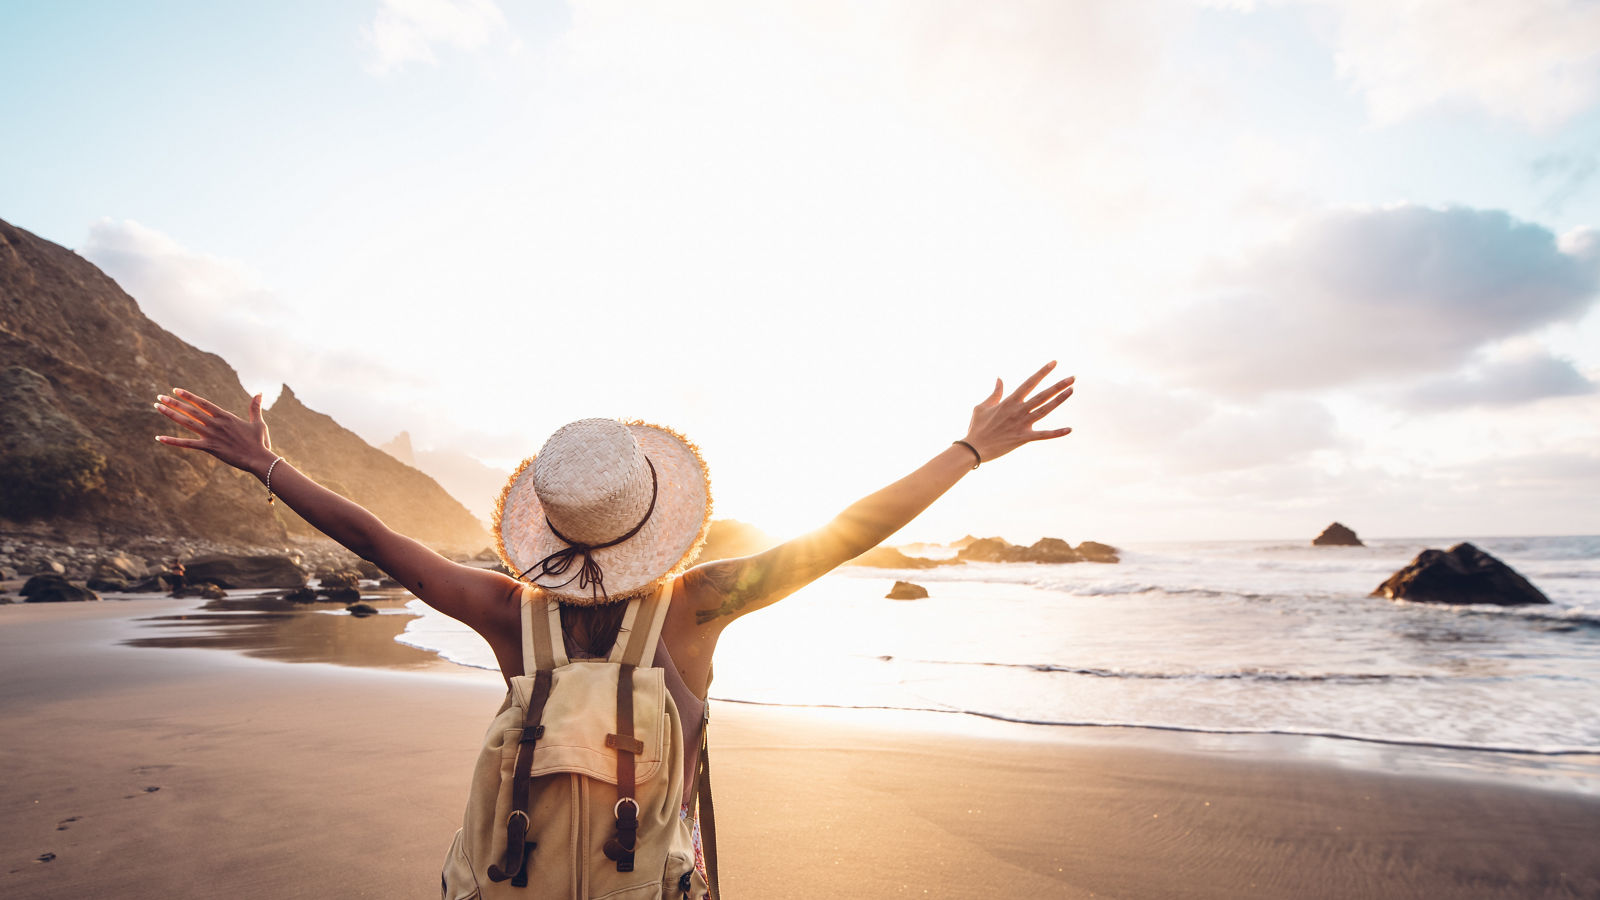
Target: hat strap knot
[(589, 574)]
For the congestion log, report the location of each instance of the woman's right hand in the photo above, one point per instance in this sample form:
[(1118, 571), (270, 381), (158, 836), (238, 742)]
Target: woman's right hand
[(243, 444)]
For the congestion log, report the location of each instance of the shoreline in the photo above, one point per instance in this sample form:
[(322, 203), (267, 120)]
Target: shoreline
[(258, 633), (271, 778)]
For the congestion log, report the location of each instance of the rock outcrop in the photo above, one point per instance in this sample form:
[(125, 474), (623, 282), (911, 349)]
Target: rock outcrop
[(255, 571), (1096, 552), (1337, 535), (905, 590), (1050, 550), (80, 365), (993, 549), (1462, 575)]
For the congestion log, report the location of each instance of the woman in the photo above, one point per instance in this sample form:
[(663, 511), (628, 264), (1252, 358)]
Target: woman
[(602, 553)]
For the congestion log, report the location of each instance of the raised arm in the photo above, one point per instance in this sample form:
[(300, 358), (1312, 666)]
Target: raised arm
[(475, 596), (723, 590)]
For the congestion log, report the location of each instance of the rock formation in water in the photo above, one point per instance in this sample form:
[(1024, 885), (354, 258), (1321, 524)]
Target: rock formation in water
[(1337, 535), (1044, 550), (905, 590), (1463, 574), (1096, 552), (80, 366)]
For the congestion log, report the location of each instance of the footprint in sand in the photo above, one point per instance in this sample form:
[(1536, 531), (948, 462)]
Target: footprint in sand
[(44, 857), (148, 790), (62, 825)]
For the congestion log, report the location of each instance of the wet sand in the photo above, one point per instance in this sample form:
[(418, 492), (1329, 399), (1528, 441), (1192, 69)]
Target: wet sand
[(274, 780)]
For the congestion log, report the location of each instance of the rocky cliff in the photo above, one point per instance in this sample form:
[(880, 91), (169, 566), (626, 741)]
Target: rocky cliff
[(80, 365)]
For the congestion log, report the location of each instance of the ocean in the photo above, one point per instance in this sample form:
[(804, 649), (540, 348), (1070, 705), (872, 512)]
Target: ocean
[(1209, 638)]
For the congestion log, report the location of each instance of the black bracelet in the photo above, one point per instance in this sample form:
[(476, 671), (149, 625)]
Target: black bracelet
[(975, 454)]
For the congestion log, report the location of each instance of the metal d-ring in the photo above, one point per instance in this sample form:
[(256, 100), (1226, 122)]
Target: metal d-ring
[(616, 811)]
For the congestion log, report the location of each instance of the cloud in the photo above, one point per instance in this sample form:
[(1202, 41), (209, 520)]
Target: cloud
[(1185, 432), (1364, 294), (222, 307), (1509, 382), (1529, 61), (407, 31)]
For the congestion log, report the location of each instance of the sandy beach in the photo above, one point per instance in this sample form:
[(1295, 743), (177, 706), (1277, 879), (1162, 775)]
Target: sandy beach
[(151, 771)]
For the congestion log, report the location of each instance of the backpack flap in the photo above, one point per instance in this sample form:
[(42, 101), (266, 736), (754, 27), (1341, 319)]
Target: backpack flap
[(582, 711)]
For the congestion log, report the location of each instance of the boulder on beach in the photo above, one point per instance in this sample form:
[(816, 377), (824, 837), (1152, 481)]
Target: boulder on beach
[(905, 590), (361, 610), (1096, 552), (53, 588), (266, 570), (1337, 535), (891, 558), (1463, 574), (340, 594), (118, 567), (300, 595), (334, 580)]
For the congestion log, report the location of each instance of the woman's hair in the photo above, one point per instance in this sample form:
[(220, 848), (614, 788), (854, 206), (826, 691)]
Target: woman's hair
[(589, 632)]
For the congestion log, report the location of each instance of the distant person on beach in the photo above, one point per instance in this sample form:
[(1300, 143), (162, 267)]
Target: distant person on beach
[(176, 575), (609, 511)]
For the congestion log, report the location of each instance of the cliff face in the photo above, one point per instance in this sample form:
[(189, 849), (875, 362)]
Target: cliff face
[(80, 366), (402, 496)]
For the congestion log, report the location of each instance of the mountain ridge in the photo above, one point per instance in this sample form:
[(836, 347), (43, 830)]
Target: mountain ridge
[(81, 364)]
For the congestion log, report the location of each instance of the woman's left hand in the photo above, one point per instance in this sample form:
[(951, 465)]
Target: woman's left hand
[(1002, 423)]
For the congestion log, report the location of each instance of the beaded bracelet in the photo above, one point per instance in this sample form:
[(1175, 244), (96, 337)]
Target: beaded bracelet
[(275, 465)]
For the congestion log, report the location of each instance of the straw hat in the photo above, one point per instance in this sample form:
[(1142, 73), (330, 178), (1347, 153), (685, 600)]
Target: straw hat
[(605, 511)]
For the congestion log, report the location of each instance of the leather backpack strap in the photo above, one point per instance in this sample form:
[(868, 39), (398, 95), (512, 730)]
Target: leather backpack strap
[(621, 846), (704, 812), (515, 864)]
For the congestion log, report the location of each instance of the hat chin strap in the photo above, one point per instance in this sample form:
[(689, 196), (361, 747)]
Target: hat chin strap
[(589, 574)]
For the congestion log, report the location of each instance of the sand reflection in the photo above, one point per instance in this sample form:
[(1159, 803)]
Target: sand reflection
[(269, 628)]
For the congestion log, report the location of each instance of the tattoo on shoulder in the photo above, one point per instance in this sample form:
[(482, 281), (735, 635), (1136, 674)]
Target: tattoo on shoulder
[(737, 581)]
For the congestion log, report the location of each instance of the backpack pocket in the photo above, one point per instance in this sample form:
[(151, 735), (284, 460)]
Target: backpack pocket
[(682, 880), (456, 881)]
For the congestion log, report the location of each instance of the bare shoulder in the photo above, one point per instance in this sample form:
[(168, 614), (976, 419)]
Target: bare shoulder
[(722, 590)]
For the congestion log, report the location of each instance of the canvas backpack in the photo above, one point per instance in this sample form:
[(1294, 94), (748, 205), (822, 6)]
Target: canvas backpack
[(578, 786)]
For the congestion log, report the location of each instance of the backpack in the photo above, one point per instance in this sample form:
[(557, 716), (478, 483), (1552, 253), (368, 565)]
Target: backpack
[(578, 787)]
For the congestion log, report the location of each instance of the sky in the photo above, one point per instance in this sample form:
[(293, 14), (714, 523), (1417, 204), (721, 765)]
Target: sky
[(1310, 261)]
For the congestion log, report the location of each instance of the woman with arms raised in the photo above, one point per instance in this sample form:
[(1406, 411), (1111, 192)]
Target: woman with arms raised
[(610, 512)]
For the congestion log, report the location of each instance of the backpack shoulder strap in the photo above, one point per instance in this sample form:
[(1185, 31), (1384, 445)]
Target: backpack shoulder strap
[(542, 646), (641, 629)]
